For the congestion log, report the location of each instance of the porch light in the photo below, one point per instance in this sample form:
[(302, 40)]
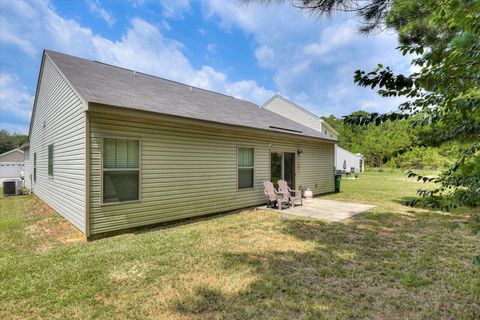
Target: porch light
[(300, 152)]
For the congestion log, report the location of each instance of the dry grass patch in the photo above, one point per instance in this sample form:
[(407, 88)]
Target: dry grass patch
[(52, 232)]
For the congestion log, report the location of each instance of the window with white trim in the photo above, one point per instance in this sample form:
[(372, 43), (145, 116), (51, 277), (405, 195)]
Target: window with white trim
[(121, 170), (245, 168)]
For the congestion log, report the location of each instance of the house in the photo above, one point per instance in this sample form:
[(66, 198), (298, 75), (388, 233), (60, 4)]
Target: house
[(112, 148), (11, 164), (347, 161), (290, 110)]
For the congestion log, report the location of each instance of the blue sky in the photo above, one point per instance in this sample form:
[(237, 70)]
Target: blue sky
[(250, 52)]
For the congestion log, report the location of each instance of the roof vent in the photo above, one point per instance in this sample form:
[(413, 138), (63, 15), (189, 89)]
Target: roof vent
[(285, 129), (134, 73), (191, 89)]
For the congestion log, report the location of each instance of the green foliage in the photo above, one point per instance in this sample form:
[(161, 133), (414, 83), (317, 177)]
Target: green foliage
[(475, 222), (476, 260), (11, 141), (429, 158), (385, 144), (443, 97)]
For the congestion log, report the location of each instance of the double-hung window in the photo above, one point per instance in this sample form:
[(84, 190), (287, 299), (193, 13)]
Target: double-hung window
[(245, 168), (35, 167), (50, 160), (121, 170)]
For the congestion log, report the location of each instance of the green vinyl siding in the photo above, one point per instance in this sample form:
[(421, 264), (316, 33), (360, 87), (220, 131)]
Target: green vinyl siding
[(191, 170)]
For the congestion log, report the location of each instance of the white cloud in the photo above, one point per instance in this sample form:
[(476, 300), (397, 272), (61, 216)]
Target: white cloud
[(333, 38), (96, 8), (377, 104), (15, 101), (313, 61), (171, 8), (250, 90), (142, 47), (175, 8), (7, 37), (212, 48), (166, 25), (11, 30), (265, 57)]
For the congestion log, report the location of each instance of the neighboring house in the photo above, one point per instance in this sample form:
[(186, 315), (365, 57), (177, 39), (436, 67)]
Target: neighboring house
[(112, 148), (11, 164), (290, 110), (346, 160)]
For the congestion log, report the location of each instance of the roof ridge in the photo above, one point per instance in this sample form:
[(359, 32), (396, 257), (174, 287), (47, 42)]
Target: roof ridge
[(151, 75), (10, 151)]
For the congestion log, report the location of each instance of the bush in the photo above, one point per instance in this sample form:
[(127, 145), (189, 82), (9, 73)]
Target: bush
[(420, 158)]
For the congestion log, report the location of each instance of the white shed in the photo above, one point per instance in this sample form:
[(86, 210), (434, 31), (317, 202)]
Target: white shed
[(346, 160), (11, 164)]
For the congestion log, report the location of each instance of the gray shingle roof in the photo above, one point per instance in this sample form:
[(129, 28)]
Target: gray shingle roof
[(110, 85)]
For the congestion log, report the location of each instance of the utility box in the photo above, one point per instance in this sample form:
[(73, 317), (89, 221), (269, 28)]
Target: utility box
[(12, 187)]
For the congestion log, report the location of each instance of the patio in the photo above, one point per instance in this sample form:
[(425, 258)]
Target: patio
[(328, 210)]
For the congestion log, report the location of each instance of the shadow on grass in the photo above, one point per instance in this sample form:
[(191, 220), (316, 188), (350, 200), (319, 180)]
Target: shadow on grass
[(167, 224), (369, 267)]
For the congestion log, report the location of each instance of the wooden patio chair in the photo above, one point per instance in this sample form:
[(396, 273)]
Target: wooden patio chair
[(287, 192), (274, 197)]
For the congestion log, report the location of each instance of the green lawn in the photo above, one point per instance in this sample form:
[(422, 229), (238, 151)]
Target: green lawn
[(391, 262)]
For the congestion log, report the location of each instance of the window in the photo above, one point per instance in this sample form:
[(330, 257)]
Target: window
[(35, 167), (121, 170), (50, 160), (245, 168)]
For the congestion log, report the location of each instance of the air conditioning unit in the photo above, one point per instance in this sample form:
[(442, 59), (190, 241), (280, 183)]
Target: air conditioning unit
[(12, 187), (19, 186)]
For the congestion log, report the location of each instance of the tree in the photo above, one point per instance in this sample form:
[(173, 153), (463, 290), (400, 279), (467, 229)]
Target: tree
[(372, 12), (11, 141), (443, 96), (377, 144)]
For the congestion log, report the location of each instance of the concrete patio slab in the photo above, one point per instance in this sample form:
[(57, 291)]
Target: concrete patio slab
[(329, 210)]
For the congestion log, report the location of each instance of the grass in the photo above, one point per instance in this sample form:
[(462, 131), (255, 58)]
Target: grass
[(390, 262)]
